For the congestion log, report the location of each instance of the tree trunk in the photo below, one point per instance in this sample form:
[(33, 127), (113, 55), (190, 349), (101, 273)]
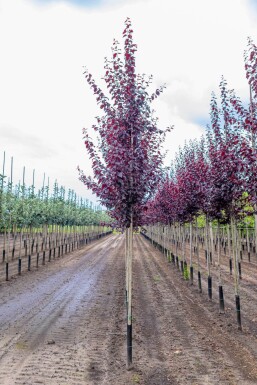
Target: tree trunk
[(236, 276), (129, 305)]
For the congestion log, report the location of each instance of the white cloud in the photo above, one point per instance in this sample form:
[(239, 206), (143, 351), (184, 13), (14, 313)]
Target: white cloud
[(43, 95)]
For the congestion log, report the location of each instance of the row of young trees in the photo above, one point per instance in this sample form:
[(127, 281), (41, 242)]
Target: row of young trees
[(34, 221), (23, 205), (217, 175)]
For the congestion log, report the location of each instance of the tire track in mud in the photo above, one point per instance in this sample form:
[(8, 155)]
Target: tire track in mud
[(185, 328), (56, 341)]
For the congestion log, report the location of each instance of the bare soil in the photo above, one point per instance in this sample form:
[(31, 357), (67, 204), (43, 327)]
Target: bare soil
[(65, 323)]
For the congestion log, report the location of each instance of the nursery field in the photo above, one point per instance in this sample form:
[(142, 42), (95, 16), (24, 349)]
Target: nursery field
[(65, 323)]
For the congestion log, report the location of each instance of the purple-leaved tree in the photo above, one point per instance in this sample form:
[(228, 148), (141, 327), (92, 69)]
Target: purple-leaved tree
[(127, 161)]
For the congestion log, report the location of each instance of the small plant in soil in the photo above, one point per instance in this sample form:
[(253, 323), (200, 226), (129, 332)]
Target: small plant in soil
[(186, 273), (157, 278), (135, 379)]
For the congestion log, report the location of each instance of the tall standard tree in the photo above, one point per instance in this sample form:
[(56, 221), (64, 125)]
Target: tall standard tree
[(227, 150), (127, 162)]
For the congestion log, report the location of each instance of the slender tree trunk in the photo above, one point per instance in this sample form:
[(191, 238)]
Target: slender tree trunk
[(212, 245), (221, 294), (4, 245), (14, 240), (191, 254), (236, 276), (8, 252), (255, 232), (229, 249), (208, 260), (129, 319), (183, 246), (248, 244), (30, 247), (198, 262), (126, 263), (177, 244)]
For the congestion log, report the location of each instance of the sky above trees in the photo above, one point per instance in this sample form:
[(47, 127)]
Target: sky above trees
[(45, 101)]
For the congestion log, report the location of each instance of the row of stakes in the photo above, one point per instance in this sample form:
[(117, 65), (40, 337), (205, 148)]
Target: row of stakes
[(184, 270), (56, 251)]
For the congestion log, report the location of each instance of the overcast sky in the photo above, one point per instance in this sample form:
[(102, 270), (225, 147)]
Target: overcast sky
[(45, 101)]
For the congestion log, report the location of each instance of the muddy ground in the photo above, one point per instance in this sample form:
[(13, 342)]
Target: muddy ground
[(65, 323)]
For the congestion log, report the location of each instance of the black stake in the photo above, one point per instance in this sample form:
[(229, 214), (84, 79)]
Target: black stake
[(129, 346), (239, 270), (210, 287), (199, 282), (7, 271), (230, 265), (238, 312), (221, 299)]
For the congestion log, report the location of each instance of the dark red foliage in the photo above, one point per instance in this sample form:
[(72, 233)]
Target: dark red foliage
[(182, 195), (217, 176), (163, 208), (127, 162), (226, 163)]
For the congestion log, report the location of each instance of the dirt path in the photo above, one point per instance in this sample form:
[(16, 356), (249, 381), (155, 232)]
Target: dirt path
[(66, 325), (55, 323)]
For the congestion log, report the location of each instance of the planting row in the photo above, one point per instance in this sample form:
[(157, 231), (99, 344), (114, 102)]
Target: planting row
[(35, 248), (219, 256), (43, 223)]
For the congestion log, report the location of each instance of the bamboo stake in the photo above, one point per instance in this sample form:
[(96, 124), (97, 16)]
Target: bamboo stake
[(229, 249), (198, 261), (221, 294), (129, 320), (236, 277), (191, 254), (248, 244), (208, 260), (212, 245)]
